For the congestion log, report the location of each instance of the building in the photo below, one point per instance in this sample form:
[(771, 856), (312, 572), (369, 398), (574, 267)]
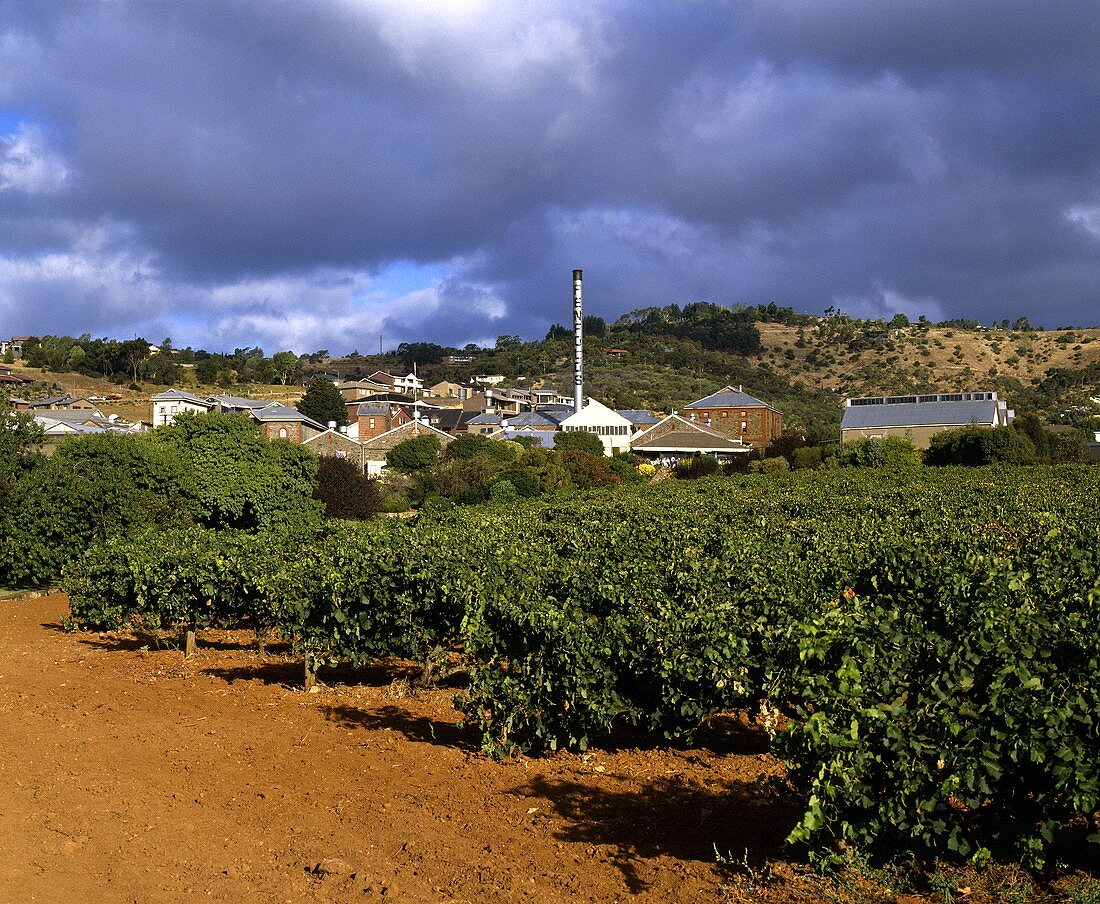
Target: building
[(167, 404), (376, 449), (613, 430), (14, 345), (738, 415), (676, 437), (333, 443), (918, 418), (284, 422), (640, 420)]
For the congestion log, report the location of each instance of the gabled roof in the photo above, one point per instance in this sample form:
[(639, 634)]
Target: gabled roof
[(331, 434), (595, 412), (728, 397), (536, 419), (391, 438), (232, 401), (677, 434), (180, 395), (283, 414)]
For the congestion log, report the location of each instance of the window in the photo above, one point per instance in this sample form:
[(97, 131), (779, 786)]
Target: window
[(282, 433), (725, 414), (372, 423)]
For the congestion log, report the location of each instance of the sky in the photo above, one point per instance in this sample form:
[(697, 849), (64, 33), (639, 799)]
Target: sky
[(336, 173)]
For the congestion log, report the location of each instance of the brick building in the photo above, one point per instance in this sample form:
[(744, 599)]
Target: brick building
[(738, 415)]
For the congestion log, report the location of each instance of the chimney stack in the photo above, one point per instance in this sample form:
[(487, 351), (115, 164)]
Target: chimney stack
[(578, 344)]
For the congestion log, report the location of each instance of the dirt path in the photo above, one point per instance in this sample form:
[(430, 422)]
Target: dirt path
[(128, 774)]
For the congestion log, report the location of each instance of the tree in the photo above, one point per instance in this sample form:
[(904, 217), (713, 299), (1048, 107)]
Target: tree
[(890, 453), (20, 437), (579, 441), (287, 367), (322, 402), (237, 479), (416, 454), (345, 491)]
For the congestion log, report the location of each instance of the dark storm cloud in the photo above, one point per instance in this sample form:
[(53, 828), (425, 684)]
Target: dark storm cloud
[(248, 171)]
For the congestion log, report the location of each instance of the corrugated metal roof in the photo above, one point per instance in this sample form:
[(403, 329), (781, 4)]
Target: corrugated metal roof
[(920, 414), (638, 416), (729, 398)]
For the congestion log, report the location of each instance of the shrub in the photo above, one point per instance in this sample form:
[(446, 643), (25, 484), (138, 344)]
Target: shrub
[(345, 491), (578, 441), (416, 454), (697, 466)]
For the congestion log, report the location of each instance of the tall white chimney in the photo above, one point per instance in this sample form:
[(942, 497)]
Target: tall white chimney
[(578, 344)]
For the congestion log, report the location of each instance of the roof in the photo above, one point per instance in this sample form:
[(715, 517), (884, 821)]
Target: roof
[(391, 438), (638, 416), (283, 413), (535, 419), (485, 418), (180, 395), (232, 401), (689, 441), (395, 397), (920, 414), (653, 439), (369, 410), (451, 418), (543, 438), (728, 397)]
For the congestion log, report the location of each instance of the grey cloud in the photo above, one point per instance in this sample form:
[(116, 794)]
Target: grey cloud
[(775, 150)]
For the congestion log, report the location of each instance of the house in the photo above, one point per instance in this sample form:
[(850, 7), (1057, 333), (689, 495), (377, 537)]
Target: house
[(284, 422), (371, 419), (540, 397), (58, 424), (613, 430), (489, 379), (445, 389), (485, 423), (64, 403), (676, 437), (494, 400), (458, 360), (376, 449), (738, 415), (450, 420), (14, 345), (333, 443), (166, 405), (410, 383), (355, 390), (918, 418), (239, 404), (1094, 447), (9, 379)]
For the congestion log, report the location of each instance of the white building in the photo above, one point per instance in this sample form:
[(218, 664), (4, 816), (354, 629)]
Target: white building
[(613, 430), (166, 405)]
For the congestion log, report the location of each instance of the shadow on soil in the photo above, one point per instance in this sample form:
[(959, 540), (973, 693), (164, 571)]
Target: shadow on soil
[(414, 728), (664, 817)]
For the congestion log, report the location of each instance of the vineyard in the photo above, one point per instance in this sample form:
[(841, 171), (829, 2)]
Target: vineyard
[(922, 649)]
